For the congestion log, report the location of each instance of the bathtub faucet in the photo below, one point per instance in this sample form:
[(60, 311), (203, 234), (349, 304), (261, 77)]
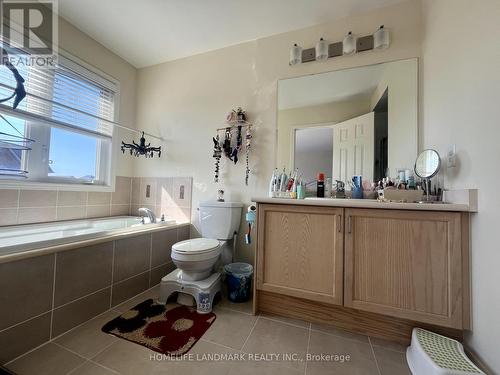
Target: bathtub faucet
[(146, 212)]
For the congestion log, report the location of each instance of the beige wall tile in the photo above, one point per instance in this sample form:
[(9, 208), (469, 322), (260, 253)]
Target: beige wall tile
[(144, 199), (120, 210), (127, 289), (183, 233), (164, 192), (8, 216), (159, 272), (82, 271), (132, 256), (98, 211), (162, 246), (71, 198), (8, 198), (136, 190), (36, 215), (123, 189), (71, 213), (99, 198), (23, 337), (75, 313), (182, 191), (26, 289), (37, 198)]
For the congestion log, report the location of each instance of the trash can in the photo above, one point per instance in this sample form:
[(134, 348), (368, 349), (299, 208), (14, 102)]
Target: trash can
[(239, 281)]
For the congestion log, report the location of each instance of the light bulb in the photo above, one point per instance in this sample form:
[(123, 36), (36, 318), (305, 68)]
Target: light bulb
[(381, 38), (321, 50), (295, 55), (349, 44)]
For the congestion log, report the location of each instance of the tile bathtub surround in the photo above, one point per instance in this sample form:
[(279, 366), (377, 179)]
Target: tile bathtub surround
[(170, 196), (38, 206), (51, 294)]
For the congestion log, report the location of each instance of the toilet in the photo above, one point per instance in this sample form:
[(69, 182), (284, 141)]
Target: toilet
[(195, 277)]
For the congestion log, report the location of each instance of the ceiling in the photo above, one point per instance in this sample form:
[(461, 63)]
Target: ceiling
[(148, 32), (329, 87)]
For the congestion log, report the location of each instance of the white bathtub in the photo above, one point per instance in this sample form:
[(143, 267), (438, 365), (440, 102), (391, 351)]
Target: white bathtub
[(20, 238)]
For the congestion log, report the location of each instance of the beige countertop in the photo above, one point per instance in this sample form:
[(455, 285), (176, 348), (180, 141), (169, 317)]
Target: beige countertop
[(368, 203)]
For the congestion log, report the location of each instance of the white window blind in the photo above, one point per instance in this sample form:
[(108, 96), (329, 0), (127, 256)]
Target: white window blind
[(68, 95)]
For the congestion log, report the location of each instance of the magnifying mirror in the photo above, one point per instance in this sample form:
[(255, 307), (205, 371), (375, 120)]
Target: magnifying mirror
[(427, 166)]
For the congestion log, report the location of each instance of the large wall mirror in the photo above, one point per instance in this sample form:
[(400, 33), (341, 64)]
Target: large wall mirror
[(360, 121)]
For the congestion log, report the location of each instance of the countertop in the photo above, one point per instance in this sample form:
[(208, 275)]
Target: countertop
[(368, 203)]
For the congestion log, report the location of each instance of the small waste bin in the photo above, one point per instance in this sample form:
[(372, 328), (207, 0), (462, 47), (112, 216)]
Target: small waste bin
[(239, 281)]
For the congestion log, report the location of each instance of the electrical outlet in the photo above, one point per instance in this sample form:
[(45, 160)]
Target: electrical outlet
[(181, 192), (148, 191), (452, 157)]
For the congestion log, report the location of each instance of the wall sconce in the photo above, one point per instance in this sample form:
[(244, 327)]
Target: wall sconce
[(322, 50), (349, 44), (295, 55), (381, 38)]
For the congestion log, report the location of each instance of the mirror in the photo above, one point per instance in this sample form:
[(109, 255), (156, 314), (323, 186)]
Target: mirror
[(360, 121), (427, 164)]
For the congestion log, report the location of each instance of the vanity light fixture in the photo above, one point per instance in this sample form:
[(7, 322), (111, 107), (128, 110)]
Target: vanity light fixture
[(349, 44), (321, 50), (381, 38), (295, 55)]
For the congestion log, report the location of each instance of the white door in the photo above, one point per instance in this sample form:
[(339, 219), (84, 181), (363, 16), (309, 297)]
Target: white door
[(353, 148)]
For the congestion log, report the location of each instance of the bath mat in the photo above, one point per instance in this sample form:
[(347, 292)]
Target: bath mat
[(169, 329)]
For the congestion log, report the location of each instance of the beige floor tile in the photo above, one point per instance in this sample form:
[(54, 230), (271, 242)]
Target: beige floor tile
[(270, 336), (244, 307), (353, 367), (152, 293), (262, 368), (282, 319), (391, 362), (127, 358), (230, 328), (87, 340), (339, 332), (387, 344), (319, 342), (49, 359), (90, 368)]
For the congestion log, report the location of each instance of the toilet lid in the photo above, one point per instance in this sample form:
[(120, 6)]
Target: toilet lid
[(196, 246)]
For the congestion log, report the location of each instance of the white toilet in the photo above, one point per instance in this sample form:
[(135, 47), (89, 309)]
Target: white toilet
[(195, 259)]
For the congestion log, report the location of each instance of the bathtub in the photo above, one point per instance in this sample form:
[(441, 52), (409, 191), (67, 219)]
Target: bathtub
[(21, 238)]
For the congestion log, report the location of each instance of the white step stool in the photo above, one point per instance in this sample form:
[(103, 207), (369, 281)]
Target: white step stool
[(433, 354)]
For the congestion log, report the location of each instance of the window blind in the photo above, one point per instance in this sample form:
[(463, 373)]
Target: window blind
[(69, 95)]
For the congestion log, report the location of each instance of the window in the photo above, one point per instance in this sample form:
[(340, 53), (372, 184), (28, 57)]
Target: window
[(66, 113)]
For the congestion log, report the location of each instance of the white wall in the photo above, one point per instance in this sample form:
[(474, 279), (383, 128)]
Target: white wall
[(186, 100), (461, 105)]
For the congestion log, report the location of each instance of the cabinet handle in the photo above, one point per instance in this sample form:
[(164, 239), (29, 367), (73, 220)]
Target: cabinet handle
[(339, 223), (349, 224)]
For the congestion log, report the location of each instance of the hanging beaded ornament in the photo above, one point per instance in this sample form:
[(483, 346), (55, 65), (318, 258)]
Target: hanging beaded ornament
[(217, 155), (248, 141)]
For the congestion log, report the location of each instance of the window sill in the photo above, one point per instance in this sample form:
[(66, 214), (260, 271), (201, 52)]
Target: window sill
[(32, 185)]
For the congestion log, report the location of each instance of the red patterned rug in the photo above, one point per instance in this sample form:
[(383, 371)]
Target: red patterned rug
[(170, 329)]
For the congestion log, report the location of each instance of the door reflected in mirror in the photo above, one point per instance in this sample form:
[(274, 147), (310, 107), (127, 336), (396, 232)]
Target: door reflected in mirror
[(360, 121)]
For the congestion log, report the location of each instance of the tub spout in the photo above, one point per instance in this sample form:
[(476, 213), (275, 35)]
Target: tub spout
[(146, 212)]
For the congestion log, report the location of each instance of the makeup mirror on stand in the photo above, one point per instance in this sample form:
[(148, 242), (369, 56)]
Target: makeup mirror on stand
[(427, 166)]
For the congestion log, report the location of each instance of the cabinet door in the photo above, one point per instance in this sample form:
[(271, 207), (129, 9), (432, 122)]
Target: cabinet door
[(406, 264), (300, 251)]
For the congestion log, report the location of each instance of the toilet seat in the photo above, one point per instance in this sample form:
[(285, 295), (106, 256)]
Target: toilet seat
[(195, 250)]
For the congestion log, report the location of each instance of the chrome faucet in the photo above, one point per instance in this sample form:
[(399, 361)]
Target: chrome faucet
[(143, 211)]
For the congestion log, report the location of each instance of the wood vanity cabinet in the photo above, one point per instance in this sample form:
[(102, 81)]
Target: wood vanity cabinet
[(407, 264), (300, 252)]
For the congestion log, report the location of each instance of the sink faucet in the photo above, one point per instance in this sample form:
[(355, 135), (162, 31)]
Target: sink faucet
[(143, 211)]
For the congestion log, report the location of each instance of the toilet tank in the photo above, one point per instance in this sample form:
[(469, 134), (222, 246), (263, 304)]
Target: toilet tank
[(219, 220)]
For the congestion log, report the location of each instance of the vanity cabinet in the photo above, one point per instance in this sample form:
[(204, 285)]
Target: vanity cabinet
[(406, 264), (300, 252)]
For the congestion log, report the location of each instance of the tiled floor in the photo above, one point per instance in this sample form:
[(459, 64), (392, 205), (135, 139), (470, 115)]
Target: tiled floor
[(87, 351)]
